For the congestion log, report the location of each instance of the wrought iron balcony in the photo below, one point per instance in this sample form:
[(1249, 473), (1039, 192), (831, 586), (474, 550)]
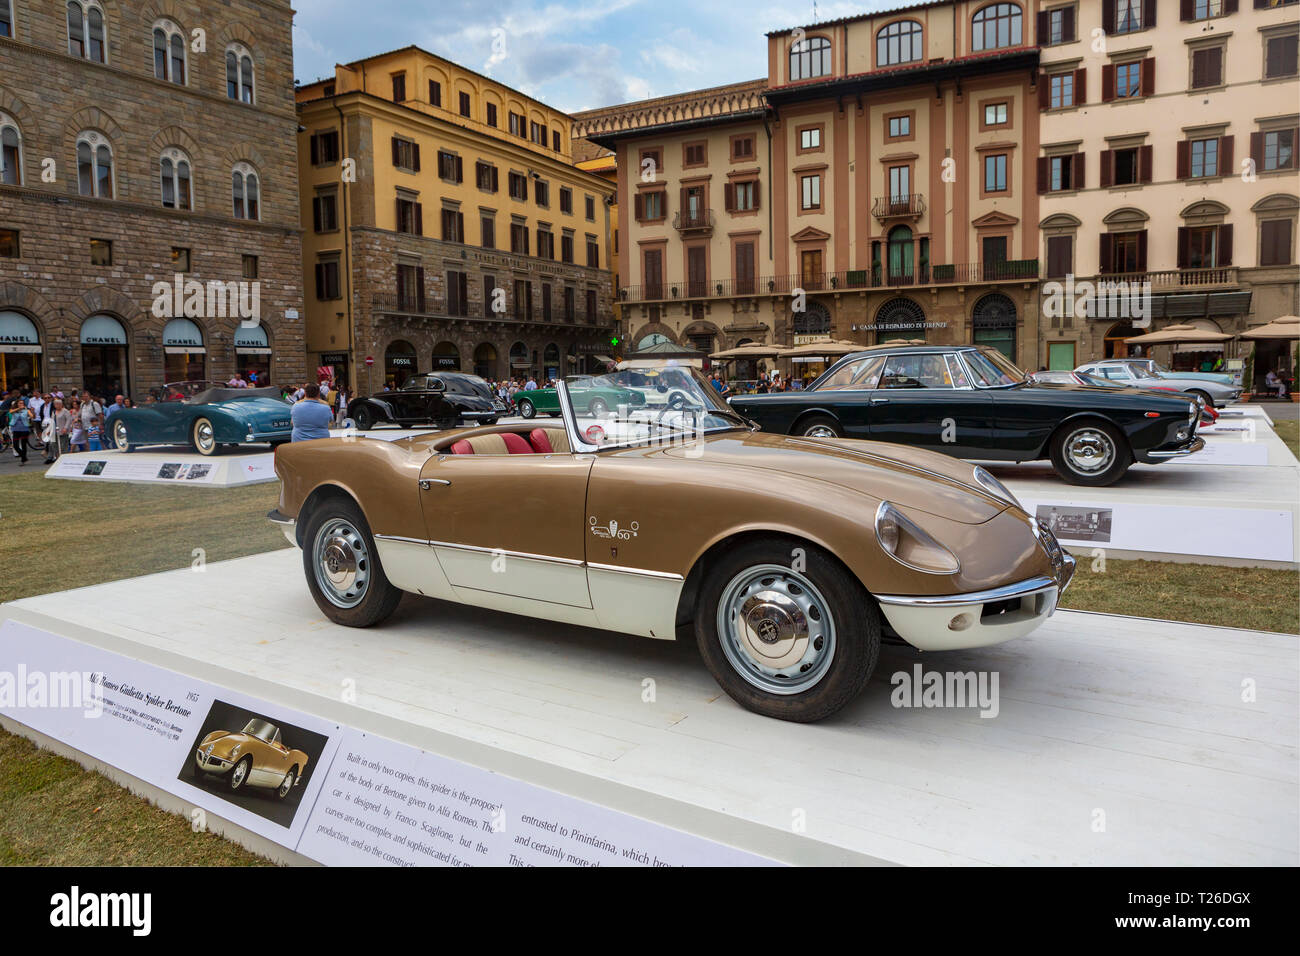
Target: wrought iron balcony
[(693, 220), (903, 206)]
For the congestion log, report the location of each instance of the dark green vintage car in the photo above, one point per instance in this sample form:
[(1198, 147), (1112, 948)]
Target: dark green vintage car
[(203, 415), (588, 398), (972, 402)]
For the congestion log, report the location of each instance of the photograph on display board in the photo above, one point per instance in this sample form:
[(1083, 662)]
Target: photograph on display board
[(94, 468), (1076, 524), (253, 761), (198, 471)]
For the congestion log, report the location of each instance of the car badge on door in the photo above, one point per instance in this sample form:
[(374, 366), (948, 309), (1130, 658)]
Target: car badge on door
[(612, 530)]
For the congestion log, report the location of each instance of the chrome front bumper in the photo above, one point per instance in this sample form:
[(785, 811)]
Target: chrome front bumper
[(943, 622), (1191, 448), (208, 763)]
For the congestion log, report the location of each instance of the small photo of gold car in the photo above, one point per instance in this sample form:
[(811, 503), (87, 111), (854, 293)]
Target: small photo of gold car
[(252, 757)]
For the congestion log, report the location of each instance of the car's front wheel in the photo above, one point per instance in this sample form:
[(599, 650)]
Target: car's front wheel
[(598, 408), (1202, 395), (120, 440), (203, 436), (239, 776), (526, 409), (820, 426), (786, 630), (343, 570), (365, 418), (1090, 453)]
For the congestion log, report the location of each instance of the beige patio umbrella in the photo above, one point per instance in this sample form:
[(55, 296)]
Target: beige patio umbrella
[(1175, 334), (821, 350), (751, 351), (1285, 327)]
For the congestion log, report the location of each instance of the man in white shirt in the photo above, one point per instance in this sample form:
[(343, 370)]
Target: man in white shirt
[(530, 385)]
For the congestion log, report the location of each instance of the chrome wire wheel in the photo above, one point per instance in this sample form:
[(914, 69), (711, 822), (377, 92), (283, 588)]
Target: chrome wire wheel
[(776, 629), (342, 563), (205, 437), (119, 436), (287, 785), (1089, 450), (820, 431), (240, 773)]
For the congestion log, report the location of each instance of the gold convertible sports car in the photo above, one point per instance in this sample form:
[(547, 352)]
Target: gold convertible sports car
[(253, 757), (789, 557)]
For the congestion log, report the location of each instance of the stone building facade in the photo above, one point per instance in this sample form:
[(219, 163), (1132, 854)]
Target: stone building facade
[(447, 227), (147, 145)]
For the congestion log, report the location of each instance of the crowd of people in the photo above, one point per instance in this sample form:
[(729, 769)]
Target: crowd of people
[(62, 423)]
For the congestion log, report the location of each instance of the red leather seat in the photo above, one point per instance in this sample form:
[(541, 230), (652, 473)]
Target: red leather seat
[(541, 441), (516, 445), (462, 447)]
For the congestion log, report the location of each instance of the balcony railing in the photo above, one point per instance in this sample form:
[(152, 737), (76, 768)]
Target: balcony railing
[(1018, 270), (693, 220), (903, 206), (409, 306), (1178, 280)]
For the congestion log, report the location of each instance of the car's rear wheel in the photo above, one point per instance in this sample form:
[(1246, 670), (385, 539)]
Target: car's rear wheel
[(1090, 453), (526, 409), (203, 436), (286, 787), (365, 418), (820, 426), (787, 631), (120, 440), (343, 570), (239, 776), (598, 408)]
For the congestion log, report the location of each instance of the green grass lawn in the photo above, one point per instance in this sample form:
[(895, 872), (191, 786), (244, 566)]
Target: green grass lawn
[(56, 535), (1289, 432)]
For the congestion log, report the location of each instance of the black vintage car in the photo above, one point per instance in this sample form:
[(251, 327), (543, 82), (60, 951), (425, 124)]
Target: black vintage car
[(445, 399), (972, 402)]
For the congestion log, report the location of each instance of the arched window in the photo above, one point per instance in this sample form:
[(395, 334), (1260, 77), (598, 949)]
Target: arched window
[(86, 36), (814, 320), (246, 192), (996, 26), (239, 73), (11, 151), (168, 52), (899, 43), (94, 165), (900, 319), (994, 323), (174, 175), (810, 57)]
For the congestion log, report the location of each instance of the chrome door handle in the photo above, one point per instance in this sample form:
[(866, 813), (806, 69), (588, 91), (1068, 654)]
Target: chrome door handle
[(427, 483), (880, 401)]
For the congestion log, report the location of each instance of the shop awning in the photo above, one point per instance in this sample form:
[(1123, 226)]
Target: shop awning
[(18, 333), (102, 330)]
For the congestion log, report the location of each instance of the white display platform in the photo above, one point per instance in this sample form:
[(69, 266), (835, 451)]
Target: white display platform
[(181, 465), (1236, 502), (1117, 741)]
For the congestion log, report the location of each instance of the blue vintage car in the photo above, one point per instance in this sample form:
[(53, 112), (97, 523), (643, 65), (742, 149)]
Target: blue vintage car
[(204, 415)]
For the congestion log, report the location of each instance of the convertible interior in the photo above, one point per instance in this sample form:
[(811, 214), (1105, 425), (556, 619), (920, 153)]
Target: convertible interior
[(536, 441)]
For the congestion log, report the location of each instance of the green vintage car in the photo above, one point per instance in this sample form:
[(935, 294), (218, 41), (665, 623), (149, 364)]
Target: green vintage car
[(589, 396)]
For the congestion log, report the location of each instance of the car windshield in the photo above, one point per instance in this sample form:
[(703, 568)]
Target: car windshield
[(1140, 371), (261, 729), (659, 404), (991, 368), (182, 391)]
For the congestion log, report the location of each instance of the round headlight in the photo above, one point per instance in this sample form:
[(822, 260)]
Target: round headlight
[(887, 530), (905, 542)]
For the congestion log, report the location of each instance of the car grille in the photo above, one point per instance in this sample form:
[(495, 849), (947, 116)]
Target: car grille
[(1055, 553)]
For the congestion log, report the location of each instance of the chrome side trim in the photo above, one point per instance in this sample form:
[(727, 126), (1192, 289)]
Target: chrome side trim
[(398, 537), (1004, 593), (550, 559), (666, 575)]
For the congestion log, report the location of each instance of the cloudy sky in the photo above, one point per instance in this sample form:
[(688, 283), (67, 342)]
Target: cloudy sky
[(570, 54)]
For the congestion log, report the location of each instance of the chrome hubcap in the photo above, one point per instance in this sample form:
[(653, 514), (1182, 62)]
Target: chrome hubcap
[(342, 563), (287, 785), (776, 629), (241, 771), (119, 434), (203, 435), (820, 431), (1089, 451)]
